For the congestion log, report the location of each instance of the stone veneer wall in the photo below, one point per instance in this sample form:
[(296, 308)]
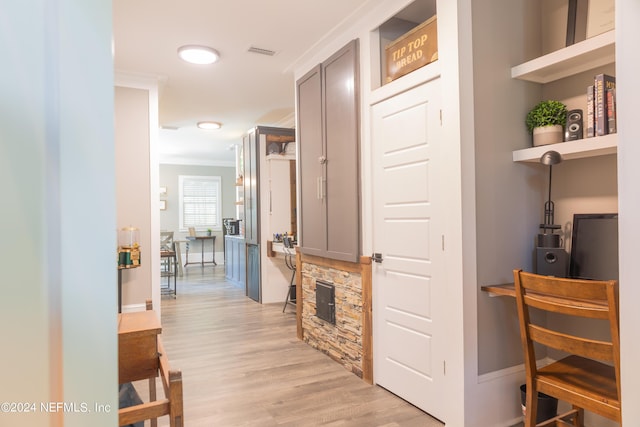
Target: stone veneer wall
[(342, 341)]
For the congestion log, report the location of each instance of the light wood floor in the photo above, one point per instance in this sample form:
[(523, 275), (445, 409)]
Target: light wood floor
[(242, 365)]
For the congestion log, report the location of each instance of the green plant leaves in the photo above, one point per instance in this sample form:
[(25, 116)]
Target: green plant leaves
[(547, 113)]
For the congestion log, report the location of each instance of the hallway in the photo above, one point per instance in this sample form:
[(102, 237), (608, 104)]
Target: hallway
[(242, 365)]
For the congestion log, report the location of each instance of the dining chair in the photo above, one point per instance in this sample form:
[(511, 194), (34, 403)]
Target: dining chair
[(587, 376)]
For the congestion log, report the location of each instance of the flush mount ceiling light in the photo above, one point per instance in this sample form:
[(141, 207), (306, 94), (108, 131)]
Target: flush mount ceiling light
[(209, 125), (201, 55)]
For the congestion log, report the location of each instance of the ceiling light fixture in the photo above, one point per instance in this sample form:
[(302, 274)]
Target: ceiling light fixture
[(209, 125), (201, 55)]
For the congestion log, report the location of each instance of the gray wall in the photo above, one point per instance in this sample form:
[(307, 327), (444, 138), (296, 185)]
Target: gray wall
[(169, 219), (508, 195)]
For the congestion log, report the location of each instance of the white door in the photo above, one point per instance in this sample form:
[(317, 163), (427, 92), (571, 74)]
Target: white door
[(406, 216)]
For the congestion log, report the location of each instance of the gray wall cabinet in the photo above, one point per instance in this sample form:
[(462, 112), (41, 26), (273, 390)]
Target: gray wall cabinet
[(328, 131)]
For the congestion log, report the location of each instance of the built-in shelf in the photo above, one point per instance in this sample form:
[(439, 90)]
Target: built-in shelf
[(506, 290), (581, 148), (283, 156), (582, 56)]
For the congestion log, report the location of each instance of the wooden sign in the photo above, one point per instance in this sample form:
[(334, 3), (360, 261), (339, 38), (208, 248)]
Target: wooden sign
[(413, 50)]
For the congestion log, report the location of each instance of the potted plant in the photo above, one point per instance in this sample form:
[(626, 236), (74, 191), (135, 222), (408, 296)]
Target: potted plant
[(546, 121), (208, 232)]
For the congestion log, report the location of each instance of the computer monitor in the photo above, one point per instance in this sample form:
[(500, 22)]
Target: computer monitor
[(594, 247)]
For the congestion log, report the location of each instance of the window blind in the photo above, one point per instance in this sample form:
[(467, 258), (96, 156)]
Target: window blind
[(200, 202)]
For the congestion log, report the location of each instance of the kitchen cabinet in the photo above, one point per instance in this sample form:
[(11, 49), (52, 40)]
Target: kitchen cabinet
[(328, 129), (235, 266)]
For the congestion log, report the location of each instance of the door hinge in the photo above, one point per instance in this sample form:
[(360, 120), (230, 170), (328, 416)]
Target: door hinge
[(376, 257), (443, 242), (444, 367)]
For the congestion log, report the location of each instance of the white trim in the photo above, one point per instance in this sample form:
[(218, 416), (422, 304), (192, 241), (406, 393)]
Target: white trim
[(501, 373), (131, 308), (189, 161), (512, 370), (138, 80)]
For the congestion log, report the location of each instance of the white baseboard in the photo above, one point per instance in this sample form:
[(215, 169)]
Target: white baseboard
[(130, 308)]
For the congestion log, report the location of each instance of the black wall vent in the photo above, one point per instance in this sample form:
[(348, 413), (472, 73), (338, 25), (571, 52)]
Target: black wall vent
[(325, 301)]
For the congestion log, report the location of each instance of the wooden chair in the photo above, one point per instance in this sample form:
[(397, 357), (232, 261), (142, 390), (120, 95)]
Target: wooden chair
[(171, 405), (581, 378), (166, 241)]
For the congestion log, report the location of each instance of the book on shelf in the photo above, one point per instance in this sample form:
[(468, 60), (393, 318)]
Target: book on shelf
[(611, 110), (602, 84), (588, 122)]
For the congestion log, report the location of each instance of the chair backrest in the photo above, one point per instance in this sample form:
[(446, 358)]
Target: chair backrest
[(289, 253), (582, 298), (166, 240)]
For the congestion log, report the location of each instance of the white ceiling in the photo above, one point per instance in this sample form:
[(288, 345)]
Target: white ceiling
[(241, 90)]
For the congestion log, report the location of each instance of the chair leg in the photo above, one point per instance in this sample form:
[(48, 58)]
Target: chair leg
[(531, 407), (292, 282), (286, 301), (291, 285), (152, 398), (578, 419)]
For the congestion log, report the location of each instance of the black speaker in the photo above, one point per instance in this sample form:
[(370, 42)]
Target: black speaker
[(552, 262), (573, 128)]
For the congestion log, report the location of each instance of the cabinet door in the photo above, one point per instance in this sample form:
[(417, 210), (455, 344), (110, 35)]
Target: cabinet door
[(251, 194), (341, 116), (253, 272), (241, 256), (310, 135), (235, 268), (228, 264)]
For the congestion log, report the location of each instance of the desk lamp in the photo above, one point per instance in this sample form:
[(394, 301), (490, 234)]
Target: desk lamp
[(546, 238), (551, 258)]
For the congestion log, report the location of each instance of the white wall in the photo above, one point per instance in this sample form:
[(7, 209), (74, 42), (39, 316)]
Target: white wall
[(58, 307), (627, 72), (137, 201)]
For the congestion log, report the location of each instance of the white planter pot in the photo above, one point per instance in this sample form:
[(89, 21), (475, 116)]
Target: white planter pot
[(547, 135)]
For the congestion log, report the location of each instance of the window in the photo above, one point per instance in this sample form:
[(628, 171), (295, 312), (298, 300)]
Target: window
[(200, 201)]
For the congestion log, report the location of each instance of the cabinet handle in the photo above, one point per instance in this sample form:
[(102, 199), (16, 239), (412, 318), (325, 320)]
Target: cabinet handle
[(320, 188)]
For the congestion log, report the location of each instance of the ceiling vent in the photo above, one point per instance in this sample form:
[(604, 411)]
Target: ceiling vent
[(261, 51)]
